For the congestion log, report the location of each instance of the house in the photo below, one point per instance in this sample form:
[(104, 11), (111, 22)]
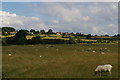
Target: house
[(58, 33), (13, 33)]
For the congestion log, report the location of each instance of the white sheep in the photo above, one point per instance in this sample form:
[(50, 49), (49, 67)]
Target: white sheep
[(93, 51), (103, 68), (10, 54), (40, 56)]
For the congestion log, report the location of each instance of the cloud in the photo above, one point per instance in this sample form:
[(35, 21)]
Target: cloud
[(94, 18), (81, 17), (20, 22)]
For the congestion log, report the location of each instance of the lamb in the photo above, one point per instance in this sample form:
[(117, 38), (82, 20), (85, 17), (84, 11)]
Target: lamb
[(103, 68)]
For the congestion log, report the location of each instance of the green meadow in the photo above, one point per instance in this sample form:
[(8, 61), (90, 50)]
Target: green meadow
[(58, 61)]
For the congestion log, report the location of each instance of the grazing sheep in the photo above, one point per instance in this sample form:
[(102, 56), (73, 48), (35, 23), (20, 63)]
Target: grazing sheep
[(103, 68), (57, 49), (10, 54), (40, 56), (93, 51), (106, 48), (51, 45), (102, 52), (89, 49)]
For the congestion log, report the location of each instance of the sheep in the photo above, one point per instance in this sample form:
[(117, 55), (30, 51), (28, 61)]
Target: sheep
[(93, 51), (103, 68), (102, 52), (89, 49), (40, 56), (57, 49), (10, 54)]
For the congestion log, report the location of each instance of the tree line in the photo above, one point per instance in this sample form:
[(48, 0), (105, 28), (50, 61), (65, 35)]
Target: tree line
[(20, 38)]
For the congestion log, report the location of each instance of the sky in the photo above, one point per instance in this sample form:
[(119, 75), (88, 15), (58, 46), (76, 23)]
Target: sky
[(85, 17), (60, 0)]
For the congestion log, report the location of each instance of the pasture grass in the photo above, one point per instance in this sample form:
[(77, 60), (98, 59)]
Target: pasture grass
[(60, 61)]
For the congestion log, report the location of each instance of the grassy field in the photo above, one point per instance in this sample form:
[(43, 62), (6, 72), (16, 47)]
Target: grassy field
[(60, 61)]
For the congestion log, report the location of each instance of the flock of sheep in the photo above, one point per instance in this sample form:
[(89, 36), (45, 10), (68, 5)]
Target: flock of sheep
[(100, 68), (101, 50)]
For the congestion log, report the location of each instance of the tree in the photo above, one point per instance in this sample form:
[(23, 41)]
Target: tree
[(100, 40), (20, 40), (72, 33), (88, 36), (96, 35), (36, 40), (77, 34), (21, 33), (20, 37), (37, 32), (106, 35), (79, 40), (50, 31), (32, 30), (72, 40), (7, 30), (63, 35), (42, 31), (115, 35)]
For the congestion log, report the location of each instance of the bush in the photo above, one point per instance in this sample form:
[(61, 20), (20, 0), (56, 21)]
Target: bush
[(72, 40), (53, 41), (35, 40), (9, 40), (3, 42)]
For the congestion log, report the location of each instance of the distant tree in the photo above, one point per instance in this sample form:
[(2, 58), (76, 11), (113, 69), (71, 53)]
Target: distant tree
[(37, 32), (96, 35), (42, 31), (32, 30), (115, 35), (27, 31), (7, 30), (106, 35), (21, 33), (72, 40), (72, 33), (20, 37), (79, 40), (50, 31), (100, 40), (77, 34), (36, 40), (88, 36), (63, 35), (118, 35)]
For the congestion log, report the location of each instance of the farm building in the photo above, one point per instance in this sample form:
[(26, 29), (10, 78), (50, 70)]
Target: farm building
[(58, 33), (13, 33)]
